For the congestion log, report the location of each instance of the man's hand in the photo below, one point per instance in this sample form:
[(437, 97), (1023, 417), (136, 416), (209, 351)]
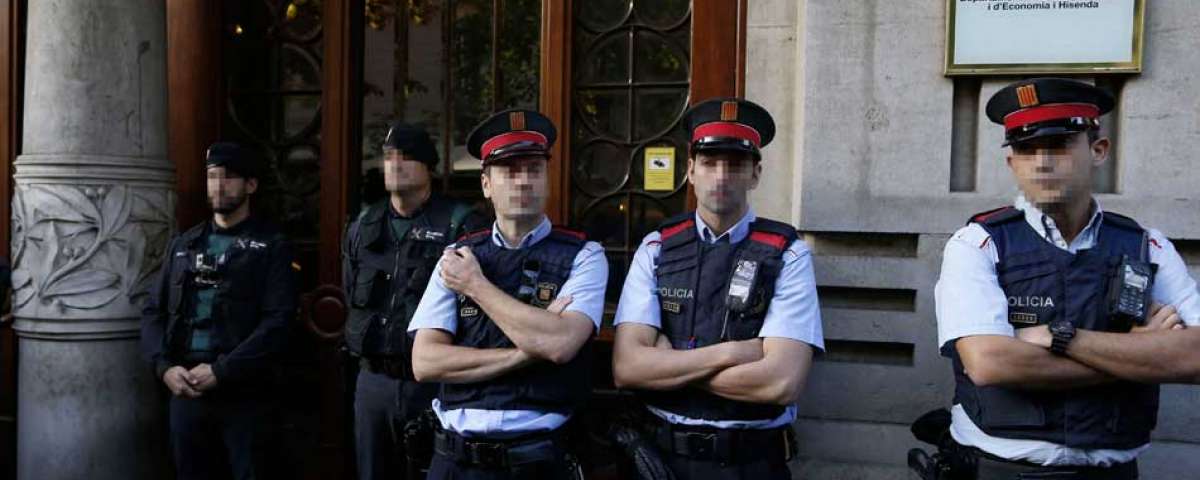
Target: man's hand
[(205, 380), (744, 351), (1039, 335), (559, 304), (1162, 317), (180, 382), (460, 270)]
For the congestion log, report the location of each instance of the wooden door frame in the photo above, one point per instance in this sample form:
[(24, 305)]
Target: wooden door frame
[(341, 126), (555, 100), (718, 69), (12, 73), (195, 100)]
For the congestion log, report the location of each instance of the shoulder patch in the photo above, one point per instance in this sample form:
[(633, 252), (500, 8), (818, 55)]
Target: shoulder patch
[(774, 233), (996, 216), (779, 242), (672, 230)]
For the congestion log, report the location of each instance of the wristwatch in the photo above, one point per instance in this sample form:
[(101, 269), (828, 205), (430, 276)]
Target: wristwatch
[(1062, 332)]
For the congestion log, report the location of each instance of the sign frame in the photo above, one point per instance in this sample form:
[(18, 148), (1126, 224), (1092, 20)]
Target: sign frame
[(1135, 66)]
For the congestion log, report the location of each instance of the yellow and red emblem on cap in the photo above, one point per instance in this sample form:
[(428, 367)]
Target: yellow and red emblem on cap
[(1027, 96), (516, 121), (729, 111)]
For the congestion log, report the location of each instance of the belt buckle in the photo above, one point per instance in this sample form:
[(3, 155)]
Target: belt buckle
[(701, 444), (488, 454)]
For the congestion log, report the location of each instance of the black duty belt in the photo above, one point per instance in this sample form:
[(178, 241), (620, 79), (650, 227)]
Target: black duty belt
[(993, 467), (729, 446), (499, 453)]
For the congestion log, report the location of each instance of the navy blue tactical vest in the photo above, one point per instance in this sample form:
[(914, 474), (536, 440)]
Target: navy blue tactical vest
[(1044, 284), (693, 286), (386, 277), (534, 275)]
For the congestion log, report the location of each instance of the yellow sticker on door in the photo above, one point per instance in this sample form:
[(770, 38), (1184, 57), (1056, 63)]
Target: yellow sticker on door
[(660, 169)]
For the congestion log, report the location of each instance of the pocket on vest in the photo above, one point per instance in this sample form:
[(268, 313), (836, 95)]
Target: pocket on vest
[(364, 286), (1003, 408)]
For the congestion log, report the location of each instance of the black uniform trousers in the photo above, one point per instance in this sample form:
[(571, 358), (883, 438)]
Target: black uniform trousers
[(697, 469), (444, 468), (222, 435), (382, 406)]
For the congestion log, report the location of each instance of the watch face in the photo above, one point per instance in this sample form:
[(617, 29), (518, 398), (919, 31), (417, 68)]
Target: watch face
[(1061, 327)]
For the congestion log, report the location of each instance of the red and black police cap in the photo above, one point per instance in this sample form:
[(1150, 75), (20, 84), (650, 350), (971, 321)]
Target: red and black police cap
[(234, 157), (510, 134), (731, 124), (411, 141), (1043, 107)]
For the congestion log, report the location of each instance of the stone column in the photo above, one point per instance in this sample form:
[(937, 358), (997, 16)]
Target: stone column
[(92, 211)]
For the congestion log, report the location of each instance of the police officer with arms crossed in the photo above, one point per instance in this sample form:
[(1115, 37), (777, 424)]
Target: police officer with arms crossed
[(719, 315), (1060, 318), (215, 323), (389, 254), (492, 328)]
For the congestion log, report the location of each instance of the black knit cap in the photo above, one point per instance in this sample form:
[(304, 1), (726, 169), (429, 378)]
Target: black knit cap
[(412, 141), (235, 158)]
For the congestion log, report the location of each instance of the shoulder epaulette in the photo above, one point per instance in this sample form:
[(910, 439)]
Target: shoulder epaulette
[(996, 216), (774, 233)]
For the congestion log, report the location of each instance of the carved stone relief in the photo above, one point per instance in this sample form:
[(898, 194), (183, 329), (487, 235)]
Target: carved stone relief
[(79, 250)]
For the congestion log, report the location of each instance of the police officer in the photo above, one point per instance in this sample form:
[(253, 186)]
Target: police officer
[(215, 324), (1060, 318), (505, 324), (389, 253), (719, 315)]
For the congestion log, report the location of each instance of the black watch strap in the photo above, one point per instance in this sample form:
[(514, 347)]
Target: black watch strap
[(1061, 332)]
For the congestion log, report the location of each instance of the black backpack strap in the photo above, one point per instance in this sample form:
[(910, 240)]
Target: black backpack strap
[(353, 237)]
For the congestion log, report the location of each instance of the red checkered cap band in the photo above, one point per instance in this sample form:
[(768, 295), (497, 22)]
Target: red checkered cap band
[(506, 139), (727, 129), (1043, 113)]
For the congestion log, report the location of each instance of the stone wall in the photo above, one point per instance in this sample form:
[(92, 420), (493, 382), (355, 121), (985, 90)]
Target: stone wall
[(879, 158)]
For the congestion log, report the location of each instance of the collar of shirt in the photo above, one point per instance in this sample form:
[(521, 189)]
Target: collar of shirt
[(1045, 226), (536, 235), (736, 233)]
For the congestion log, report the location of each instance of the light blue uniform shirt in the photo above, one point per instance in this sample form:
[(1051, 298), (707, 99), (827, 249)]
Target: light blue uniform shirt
[(439, 309), (969, 301), (793, 313)]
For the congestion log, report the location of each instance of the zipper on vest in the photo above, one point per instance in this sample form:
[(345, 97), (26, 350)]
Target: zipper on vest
[(393, 279), (696, 290)]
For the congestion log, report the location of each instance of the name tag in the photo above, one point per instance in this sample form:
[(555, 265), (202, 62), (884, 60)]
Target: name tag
[(1021, 318)]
